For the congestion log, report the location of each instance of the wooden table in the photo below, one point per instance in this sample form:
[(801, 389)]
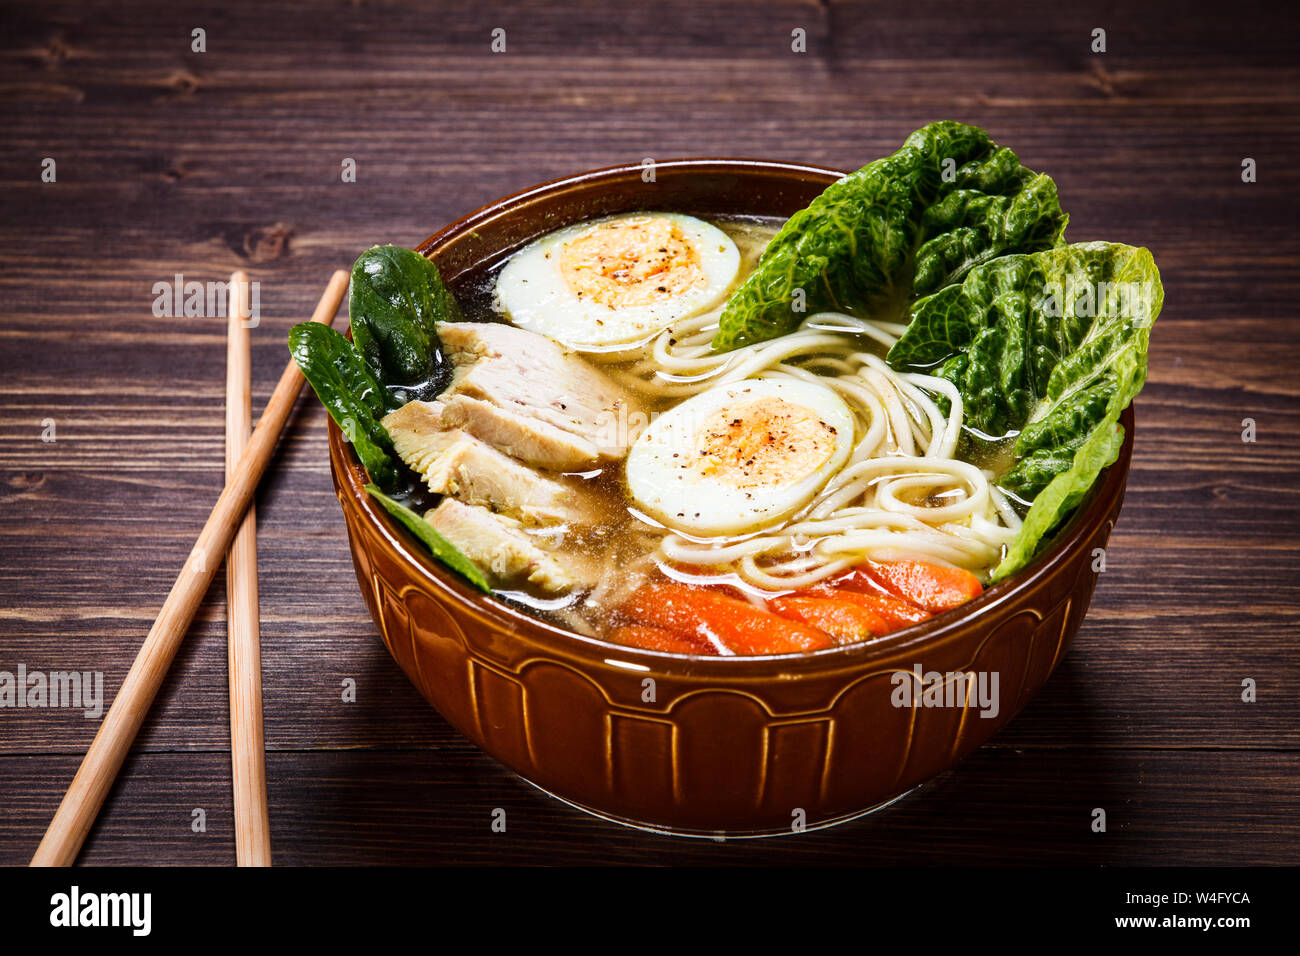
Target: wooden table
[(172, 161)]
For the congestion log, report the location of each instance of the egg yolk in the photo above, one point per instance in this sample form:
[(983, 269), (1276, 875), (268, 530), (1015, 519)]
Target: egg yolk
[(762, 443), (631, 262)]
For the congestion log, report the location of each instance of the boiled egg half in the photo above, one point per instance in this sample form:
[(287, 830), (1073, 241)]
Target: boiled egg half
[(617, 281), (739, 457)]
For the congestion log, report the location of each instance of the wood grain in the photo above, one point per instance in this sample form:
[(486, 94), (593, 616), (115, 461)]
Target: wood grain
[(170, 161)]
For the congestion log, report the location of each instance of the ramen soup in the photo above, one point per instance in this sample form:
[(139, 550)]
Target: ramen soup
[(693, 470), (746, 436)]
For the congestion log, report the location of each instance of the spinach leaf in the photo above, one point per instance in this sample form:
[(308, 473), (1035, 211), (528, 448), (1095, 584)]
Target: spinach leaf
[(901, 227), (355, 399), (395, 357), (1049, 347), (396, 302), (442, 549)]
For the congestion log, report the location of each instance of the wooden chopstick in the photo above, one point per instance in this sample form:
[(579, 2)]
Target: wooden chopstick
[(73, 820), (247, 745)]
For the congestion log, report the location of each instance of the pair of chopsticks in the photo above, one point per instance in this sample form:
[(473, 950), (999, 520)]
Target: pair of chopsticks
[(225, 526)]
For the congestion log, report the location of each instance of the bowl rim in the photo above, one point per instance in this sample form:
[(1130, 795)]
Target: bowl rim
[(512, 203), (350, 478)]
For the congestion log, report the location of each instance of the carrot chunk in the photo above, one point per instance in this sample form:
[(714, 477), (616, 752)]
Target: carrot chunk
[(737, 625), (845, 621), (660, 639), (895, 612), (931, 586), (860, 582)]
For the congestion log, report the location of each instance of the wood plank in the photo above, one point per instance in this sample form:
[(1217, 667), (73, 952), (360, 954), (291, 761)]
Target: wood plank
[(1002, 806)]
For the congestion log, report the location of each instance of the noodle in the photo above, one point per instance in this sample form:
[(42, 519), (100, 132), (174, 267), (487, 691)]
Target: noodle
[(900, 495)]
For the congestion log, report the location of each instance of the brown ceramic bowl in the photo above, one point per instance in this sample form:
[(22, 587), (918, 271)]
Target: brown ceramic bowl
[(704, 746)]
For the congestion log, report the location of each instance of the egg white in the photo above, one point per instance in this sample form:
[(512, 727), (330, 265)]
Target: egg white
[(666, 475), (533, 293)]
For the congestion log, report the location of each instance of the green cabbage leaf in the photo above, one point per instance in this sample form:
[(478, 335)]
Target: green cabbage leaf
[(1048, 349), (899, 228)]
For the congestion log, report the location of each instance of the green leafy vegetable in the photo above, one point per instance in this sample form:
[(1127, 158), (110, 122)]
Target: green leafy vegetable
[(355, 399), (442, 549), (1061, 495), (901, 227), (1051, 348), (397, 300), (395, 357)]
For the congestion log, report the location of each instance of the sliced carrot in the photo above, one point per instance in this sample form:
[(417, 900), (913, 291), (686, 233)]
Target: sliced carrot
[(895, 612), (845, 621), (931, 586), (660, 639), (738, 625), (860, 582)]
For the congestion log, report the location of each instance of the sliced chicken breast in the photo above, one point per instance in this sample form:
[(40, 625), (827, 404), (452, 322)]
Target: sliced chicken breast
[(522, 436), (504, 550), (454, 462), (533, 378)]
